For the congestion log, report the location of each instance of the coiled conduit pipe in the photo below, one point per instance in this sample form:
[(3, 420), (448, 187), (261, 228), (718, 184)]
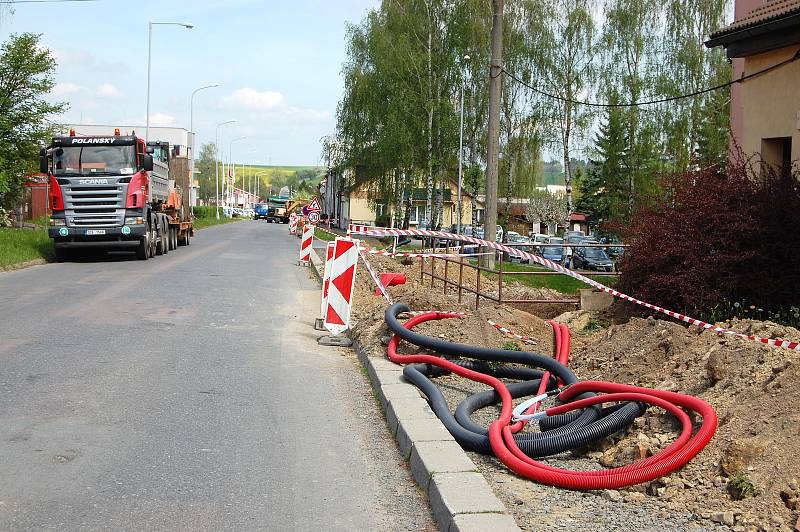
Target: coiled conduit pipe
[(573, 428)]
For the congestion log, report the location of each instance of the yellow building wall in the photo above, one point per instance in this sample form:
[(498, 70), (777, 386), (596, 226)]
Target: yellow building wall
[(771, 102), (360, 210)]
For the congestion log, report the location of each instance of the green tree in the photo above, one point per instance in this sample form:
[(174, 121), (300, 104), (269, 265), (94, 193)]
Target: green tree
[(26, 76), (207, 177)]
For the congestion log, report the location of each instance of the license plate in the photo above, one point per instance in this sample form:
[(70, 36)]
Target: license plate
[(95, 231)]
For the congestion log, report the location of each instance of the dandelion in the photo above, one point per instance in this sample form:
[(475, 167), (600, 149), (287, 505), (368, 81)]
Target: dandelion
[(736, 304), (752, 307)]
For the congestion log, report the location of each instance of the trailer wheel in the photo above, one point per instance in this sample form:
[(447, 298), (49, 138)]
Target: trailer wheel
[(188, 237), (164, 232), (173, 238)]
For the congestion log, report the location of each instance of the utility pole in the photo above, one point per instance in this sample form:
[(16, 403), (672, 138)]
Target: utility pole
[(493, 144)]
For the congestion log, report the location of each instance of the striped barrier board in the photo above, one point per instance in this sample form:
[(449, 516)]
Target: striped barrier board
[(305, 243), (326, 275), (340, 288), (775, 342)]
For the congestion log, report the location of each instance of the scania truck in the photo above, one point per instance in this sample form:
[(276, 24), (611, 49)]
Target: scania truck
[(114, 193)]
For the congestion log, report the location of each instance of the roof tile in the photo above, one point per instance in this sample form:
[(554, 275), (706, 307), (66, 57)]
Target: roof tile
[(770, 10)]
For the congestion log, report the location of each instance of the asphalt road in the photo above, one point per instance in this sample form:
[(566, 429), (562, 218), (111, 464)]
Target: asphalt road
[(188, 393)]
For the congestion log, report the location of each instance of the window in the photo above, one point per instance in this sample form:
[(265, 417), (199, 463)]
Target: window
[(776, 155), (479, 214), (379, 209), (417, 213)]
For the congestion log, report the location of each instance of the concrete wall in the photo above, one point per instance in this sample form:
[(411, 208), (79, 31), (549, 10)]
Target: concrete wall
[(770, 103)]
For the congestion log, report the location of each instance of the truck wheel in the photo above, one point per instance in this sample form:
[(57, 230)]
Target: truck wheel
[(143, 249), (188, 237), (152, 241), (173, 239), (62, 254)]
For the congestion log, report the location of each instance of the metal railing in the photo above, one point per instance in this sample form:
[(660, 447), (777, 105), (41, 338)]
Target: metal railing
[(459, 283)]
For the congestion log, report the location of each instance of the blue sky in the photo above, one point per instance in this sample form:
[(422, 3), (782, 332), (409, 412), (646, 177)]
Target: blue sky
[(279, 64)]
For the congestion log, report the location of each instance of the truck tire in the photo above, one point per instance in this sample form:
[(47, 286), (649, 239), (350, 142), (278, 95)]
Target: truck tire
[(143, 249), (62, 254), (188, 237), (163, 240), (173, 238)]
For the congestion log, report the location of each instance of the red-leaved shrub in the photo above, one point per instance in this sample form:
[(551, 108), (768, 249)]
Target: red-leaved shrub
[(717, 236)]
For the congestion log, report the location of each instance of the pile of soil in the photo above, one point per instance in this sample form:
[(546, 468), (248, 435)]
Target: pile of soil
[(746, 478), (755, 390)]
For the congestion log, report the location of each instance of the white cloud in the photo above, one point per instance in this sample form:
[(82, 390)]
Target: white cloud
[(161, 119), (107, 90), (65, 88), (248, 98)]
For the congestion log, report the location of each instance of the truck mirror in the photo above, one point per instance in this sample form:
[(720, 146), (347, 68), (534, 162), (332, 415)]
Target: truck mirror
[(43, 161), (147, 163)]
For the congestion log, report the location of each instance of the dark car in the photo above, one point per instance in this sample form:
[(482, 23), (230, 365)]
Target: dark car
[(591, 259), (261, 211)]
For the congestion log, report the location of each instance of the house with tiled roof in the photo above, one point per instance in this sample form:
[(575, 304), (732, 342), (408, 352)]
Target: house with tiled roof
[(765, 109)]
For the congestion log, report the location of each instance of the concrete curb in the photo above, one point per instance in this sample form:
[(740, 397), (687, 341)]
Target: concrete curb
[(460, 497), (23, 265)]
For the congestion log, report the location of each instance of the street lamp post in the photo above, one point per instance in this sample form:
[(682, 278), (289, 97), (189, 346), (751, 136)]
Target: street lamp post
[(216, 162), (191, 132), (188, 26), (232, 163), (461, 154)]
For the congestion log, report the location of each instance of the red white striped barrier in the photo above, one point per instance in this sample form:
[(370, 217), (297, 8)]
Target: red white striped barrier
[(360, 229), (305, 243), (293, 224), (376, 279), (422, 255), (527, 339), (326, 275), (775, 342), (340, 288)]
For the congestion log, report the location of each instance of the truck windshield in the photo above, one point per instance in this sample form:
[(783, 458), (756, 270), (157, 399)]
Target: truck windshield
[(92, 160)]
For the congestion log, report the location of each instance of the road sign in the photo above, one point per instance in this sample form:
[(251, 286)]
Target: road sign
[(314, 205), (313, 217)]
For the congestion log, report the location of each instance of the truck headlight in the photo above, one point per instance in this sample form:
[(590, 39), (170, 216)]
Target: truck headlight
[(58, 222), (134, 221)]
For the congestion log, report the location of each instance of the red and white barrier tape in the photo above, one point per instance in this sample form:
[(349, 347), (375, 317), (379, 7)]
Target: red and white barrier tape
[(775, 342), (527, 339), (375, 278), (384, 253)]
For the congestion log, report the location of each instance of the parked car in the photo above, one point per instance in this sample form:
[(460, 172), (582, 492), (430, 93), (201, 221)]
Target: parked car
[(555, 252), (539, 238), (591, 259), (570, 250), (498, 237)]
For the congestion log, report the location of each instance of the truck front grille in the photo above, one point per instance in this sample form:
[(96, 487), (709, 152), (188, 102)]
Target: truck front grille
[(95, 206)]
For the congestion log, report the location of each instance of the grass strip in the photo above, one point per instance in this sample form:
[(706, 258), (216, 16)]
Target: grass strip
[(23, 245)]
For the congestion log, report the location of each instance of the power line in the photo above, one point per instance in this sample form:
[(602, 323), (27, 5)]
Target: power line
[(660, 100)]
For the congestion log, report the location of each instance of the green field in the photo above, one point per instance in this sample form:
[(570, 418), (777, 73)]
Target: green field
[(271, 174), (561, 283)]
